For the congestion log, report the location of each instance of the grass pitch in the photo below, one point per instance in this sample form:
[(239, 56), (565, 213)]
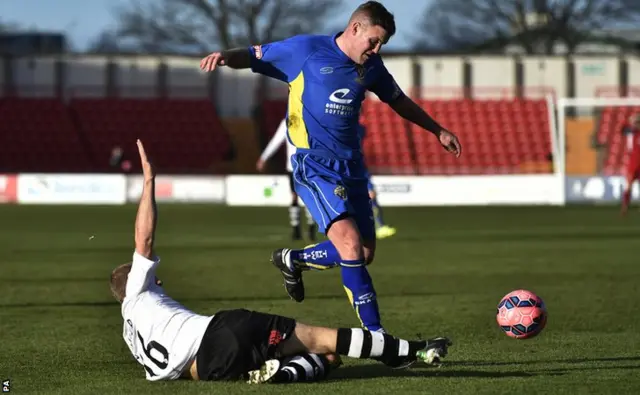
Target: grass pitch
[(442, 274)]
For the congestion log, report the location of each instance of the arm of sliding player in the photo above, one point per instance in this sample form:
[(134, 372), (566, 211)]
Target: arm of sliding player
[(144, 260)]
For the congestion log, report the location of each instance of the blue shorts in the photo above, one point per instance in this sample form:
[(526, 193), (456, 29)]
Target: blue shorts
[(331, 188)]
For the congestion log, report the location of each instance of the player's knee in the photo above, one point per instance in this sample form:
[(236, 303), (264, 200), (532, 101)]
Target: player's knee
[(351, 248), (345, 237), (307, 338)]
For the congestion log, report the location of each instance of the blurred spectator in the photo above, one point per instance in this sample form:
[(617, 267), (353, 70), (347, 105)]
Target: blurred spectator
[(118, 161)]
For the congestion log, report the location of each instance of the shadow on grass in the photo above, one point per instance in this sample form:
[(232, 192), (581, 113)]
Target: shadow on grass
[(378, 370), (543, 361)]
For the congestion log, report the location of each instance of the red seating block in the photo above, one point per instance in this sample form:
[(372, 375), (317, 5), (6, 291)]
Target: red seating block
[(612, 121), (38, 135), (184, 135), (498, 136)]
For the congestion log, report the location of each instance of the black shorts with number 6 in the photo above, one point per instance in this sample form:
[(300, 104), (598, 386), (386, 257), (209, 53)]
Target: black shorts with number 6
[(237, 341)]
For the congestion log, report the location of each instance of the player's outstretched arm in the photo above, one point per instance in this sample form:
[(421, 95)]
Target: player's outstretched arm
[(147, 215), (236, 58), (281, 60), (409, 110)]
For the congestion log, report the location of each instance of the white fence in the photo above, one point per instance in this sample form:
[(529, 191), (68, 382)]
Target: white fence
[(266, 190)]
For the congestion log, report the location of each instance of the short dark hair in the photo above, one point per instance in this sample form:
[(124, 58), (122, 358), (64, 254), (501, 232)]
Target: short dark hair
[(378, 15)]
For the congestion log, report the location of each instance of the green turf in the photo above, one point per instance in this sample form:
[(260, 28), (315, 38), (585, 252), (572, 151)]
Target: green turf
[(443, 273)]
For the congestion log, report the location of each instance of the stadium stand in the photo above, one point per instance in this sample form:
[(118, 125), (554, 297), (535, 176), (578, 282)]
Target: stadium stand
[(498, 136), (611, 122), (38, 135), (186, 136)]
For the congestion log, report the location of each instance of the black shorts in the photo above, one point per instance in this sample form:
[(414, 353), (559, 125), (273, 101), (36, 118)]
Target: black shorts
[(291, 185), (237, 341)]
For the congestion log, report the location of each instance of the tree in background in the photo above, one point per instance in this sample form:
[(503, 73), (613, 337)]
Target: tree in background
[(9, 27), (536, 26), (198, 26)]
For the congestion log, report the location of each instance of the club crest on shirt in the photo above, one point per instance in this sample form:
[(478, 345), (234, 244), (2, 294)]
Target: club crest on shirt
[(340, 192)]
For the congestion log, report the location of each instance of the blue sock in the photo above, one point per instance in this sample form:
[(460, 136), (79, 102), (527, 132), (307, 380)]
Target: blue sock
[(319, 256), (359, 287), (377, 213)]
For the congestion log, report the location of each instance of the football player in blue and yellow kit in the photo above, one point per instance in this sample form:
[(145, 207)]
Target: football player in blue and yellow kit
[(328, 77)]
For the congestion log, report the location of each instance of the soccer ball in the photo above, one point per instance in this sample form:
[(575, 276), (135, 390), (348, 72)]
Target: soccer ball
[(521, 314)]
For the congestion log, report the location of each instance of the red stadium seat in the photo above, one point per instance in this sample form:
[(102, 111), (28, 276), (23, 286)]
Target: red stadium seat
[(498, 136), (185, 135), (612, 121), (38, 135)]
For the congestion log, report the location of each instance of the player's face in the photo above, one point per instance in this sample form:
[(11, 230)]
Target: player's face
[(369, 39)]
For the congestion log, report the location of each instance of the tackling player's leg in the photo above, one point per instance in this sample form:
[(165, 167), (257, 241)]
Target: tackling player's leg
[(306, 367), (263, 347), (363, 344)]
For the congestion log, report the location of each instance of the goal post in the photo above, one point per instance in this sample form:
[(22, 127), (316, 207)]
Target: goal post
[(591, 147)]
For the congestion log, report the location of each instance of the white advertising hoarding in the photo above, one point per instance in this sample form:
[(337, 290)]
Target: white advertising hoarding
[(414, 190), (71, 188), (195, 189)]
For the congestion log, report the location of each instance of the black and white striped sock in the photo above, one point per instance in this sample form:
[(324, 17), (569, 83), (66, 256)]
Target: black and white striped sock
[(294, 215), (304, 367), (310, 220), (360, 343)]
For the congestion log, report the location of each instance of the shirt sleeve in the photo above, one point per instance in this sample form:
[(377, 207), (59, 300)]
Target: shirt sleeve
[(276, 141), (385, 86), (281, 60), (143, 272)]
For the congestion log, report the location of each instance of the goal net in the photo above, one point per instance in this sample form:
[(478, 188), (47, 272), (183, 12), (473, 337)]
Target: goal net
[(592, 147)]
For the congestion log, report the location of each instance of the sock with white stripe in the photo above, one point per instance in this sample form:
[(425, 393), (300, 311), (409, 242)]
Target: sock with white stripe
[(311, 225), (360, 343), (310, 220), (301, 368), (294, 215)]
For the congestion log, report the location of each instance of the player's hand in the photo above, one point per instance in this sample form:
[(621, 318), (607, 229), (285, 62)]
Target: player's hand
[(260, 165), (148, 171), (210, 62), (450, 142)]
